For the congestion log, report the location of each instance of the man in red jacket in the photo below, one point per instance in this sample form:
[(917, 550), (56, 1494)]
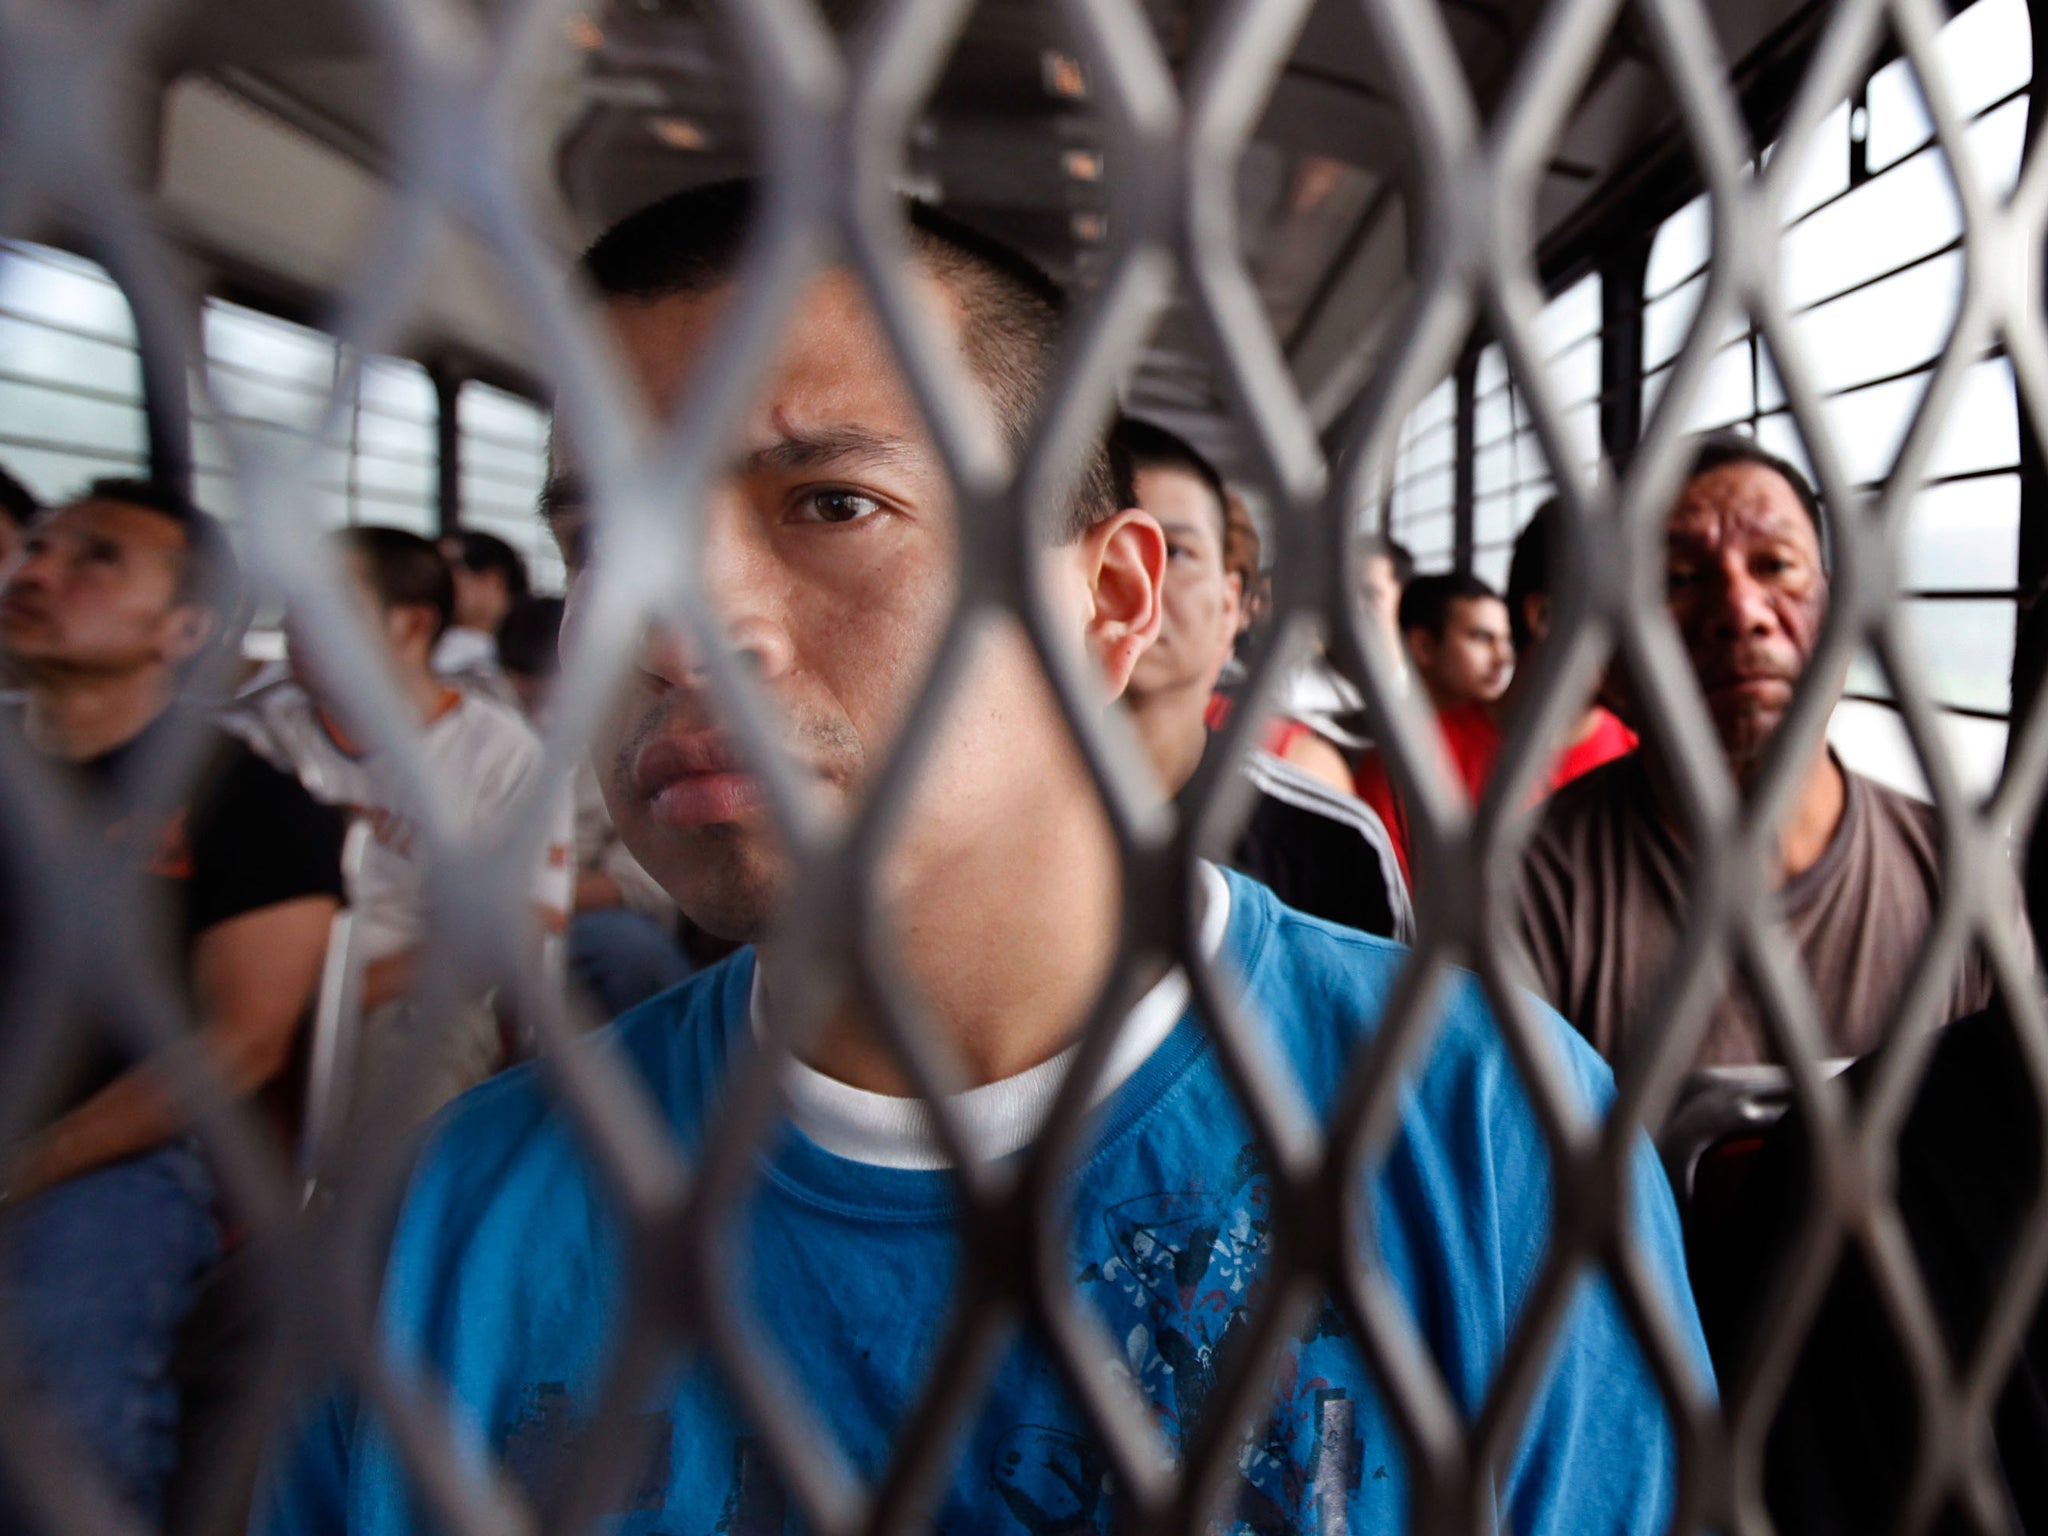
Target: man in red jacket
[(1471, 726)]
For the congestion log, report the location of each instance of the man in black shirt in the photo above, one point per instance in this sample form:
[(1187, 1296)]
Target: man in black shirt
[(1322, 852), (109, 1204)]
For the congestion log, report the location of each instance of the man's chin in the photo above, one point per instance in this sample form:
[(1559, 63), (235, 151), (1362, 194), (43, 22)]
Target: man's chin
[(728, 878)]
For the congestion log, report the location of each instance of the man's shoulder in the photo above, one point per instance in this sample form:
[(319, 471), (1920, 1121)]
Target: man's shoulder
[(493, 1142), (483, 717), (1325, 990), (249, 784), (1277, 779), (1893, 809), (277, 721), (1614, 791)]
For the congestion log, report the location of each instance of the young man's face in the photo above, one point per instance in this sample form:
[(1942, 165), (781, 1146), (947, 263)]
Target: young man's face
[(828, 556), (1472, 660), (482, 598), (94, 590), (1199, 599), (1747, 589), (1380, 595), (403, 633)]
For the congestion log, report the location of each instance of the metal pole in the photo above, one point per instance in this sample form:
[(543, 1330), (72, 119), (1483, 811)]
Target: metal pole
[(1463, 467), (447, 447)]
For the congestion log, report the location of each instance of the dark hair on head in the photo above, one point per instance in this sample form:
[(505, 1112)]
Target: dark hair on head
[(1403, 560), (530, 639), (405, 570), (690, 243), (1530, 569), (1135, 444), (1718, 450), (1426, 600), (484, 552), (210, 576), (18, 503)]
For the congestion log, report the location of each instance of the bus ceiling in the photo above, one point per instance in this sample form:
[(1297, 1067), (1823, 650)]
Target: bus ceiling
[(270, 152)]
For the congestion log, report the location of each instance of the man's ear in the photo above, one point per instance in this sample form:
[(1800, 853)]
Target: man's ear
[(1536, 614), (1123, 559), (188, 631)]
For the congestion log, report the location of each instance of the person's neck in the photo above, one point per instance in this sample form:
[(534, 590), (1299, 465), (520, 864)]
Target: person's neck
[(1809, 825), (1442, 700), (1816, 812), (1006, 953), (1170, 724), (80, 718), (427, 694)]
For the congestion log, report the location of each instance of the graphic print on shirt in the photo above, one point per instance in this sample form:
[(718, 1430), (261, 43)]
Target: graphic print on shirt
[(1182, 1281)]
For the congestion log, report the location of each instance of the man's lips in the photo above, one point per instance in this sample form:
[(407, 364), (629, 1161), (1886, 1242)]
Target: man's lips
[(694, 780), (22, 608), (1751, 684)]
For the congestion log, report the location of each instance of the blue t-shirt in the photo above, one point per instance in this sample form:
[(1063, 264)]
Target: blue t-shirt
[(506, 1280)]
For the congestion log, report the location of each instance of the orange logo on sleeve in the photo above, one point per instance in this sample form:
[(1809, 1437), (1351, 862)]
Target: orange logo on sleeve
[(173, 856)]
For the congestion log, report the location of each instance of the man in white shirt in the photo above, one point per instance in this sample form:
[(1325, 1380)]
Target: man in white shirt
[(483, 754)]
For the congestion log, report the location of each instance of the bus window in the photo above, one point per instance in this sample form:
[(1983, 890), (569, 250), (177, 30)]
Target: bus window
[(71, 382), (504, 464)]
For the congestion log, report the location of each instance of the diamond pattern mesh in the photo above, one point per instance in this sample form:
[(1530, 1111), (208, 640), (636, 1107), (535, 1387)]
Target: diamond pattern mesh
[(830, 127)]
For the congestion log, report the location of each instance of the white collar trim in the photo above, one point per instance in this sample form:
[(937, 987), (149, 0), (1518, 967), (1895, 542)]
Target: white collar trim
[(889, 1131)]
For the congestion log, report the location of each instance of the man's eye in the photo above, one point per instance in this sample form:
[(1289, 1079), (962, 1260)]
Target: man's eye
[(836, 507)]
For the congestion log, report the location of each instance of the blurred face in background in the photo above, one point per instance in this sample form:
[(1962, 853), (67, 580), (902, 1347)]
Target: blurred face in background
[(1746, 586), (1380, 596), (1200, 599), (1472, 661), (95, 589)]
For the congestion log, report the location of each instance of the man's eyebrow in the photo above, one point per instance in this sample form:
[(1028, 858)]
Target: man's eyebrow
[(831, 447), (563, 493)]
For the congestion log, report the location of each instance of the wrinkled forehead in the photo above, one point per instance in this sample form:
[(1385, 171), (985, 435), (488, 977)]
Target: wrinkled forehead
[(1737, 504), (833, 360)]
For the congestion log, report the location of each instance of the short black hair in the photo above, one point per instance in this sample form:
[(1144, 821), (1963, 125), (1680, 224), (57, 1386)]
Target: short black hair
[(1135, 445), (1718, 450), (530, 639), (690, 242), (1426, 601), (484, 552), (1402, 559), (210, 576), (405, 570), (18, 504), (1530, 572)]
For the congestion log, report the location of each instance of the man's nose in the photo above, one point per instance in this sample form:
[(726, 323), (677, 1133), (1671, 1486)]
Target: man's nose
[(1744, 607), (761, 647), (29, 568), (748, 592)]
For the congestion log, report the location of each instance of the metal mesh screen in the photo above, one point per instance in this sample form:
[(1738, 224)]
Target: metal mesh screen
[(830, 124)]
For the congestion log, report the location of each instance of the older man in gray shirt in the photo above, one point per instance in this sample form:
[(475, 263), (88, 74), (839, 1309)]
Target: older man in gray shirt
[(1605, 883)]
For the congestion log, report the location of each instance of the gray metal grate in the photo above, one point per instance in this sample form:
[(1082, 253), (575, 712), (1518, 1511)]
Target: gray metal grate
[(830, 131)]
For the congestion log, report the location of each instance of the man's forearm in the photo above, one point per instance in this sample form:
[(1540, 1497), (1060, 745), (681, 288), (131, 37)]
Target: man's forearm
[(253, 976), (133, 1114)]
